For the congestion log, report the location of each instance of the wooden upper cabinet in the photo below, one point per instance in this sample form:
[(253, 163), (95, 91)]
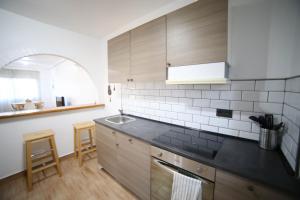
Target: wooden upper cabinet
[(197, 33), (119, 58), (148, 51)]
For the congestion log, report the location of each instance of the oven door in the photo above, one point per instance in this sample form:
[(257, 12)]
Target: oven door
[(162, 180)]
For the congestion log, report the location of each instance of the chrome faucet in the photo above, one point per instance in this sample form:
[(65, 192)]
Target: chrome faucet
[(121, 111)]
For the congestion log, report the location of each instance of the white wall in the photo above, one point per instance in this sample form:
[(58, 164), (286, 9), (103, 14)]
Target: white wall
[(72, 82), (11, 143), (20, 37), (263, 37)]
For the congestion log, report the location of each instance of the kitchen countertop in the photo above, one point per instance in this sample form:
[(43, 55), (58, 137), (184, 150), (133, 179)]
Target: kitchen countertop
[(239, 156)]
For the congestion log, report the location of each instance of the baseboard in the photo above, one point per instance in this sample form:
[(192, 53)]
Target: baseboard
[(23, 173)]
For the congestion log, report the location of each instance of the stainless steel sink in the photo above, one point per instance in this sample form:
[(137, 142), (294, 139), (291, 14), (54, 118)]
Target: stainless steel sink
[(119, 119)]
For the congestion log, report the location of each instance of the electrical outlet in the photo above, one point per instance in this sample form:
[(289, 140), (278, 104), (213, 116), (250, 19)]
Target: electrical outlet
[(224, 113)]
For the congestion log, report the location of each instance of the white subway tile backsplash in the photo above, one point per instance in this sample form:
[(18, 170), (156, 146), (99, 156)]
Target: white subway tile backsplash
[(255, 128), (254, 96), (292, 129), (242, 85), (209, 128), (201, 102), (220, 87), (185, 101), (178, 122), (270, 85), (219, 104), (178, 108), (292, 85), (195, 106), (200, 119), (249, 135), (288, 156), (165, 119), (164, 106), (193, 93), (166, 93), (172, 100), (275, 108), (171, 86), (186, 87), (276, 97), (185, 117), (227, 131), (292, 114), (154, 105), (236, 115), (211, 94), (220, 122), (240, 125), (192, 125), (202, 87), (241, 105), (293, 99), (171, 115), (193, 110), (178, 93), (231, 95), (211, 112)]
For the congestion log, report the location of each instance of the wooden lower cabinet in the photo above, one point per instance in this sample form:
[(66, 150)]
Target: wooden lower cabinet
[(125, 158), (232, 187)]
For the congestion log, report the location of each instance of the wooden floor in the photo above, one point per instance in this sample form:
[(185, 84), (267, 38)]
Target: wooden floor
[(83, 183)]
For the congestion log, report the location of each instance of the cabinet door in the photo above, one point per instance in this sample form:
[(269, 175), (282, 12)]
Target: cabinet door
[(148, 51), (134, 165), (197, 33), (229, 186), (106, 149), (119, 58)]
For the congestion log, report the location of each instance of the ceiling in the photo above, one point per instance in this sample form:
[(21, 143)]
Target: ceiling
[(96, 18), (36, 62)]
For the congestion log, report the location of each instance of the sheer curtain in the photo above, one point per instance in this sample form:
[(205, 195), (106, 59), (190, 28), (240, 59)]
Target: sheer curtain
[(17, 86)]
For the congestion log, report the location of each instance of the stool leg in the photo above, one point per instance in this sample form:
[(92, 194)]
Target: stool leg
[(75, 144), (79, 147), (54, 154), (29, 165), (91, 137)]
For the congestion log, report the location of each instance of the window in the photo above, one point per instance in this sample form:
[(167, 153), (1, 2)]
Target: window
[(15, 88)]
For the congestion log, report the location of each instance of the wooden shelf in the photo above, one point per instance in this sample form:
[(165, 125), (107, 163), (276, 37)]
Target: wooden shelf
[(23, 113)]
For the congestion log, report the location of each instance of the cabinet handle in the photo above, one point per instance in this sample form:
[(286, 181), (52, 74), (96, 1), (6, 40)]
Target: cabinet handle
[(131, 80), (169, 64), (160, 154), (113, 132), (117, 145), (130, 140)]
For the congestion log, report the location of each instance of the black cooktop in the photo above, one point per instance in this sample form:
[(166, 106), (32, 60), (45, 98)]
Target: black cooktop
[(197, 142)]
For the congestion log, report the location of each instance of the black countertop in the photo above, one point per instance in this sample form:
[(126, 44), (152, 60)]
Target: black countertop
[(239, 156)]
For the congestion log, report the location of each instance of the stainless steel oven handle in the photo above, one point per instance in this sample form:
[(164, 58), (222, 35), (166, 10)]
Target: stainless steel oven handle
[(160, 164)]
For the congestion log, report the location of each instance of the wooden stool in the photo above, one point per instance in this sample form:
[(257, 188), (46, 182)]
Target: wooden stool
[(82, 147), (30, 158)]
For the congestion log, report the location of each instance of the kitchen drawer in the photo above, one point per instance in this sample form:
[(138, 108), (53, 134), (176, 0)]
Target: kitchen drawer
[(182, 162), (108, 134), (136, 146)]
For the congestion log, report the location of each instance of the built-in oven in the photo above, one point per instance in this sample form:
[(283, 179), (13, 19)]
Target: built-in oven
[(163, 166)]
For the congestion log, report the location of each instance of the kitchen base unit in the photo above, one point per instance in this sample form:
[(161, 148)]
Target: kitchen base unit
[(126, 159)]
